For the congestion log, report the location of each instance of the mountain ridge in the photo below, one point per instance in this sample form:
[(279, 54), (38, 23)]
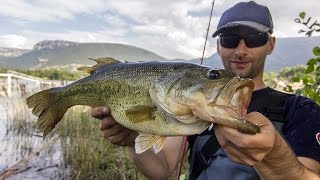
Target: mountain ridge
[(46, 54), (12, 52), (53, 44), (59, 53), (288, 52)]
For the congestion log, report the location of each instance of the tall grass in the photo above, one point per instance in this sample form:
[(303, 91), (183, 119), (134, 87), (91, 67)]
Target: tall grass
[(85, 153), (89, 156), (19, 126), (19, 120), (21, 147)]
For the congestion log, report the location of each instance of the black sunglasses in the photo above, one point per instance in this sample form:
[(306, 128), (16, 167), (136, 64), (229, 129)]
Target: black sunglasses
[(251, 40)]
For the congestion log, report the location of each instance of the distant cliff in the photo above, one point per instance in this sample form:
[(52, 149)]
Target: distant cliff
[(51, 45), (12, 52), (65, 54)]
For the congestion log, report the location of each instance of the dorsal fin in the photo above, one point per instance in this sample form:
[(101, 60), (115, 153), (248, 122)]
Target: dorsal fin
[(100, 62)]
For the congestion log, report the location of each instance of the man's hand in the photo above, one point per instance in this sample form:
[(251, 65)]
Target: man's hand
[(111, 129), (245, 148), (267, 151)]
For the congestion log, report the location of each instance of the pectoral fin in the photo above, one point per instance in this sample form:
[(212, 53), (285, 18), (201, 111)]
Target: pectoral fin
[(140, 113), (145, 141)]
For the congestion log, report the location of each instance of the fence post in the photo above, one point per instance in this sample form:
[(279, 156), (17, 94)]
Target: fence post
[(9, 89)]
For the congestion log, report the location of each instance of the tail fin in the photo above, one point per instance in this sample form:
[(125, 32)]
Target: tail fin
[(48, 107)]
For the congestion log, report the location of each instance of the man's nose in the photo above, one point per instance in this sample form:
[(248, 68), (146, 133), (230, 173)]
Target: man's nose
[(241, 48)]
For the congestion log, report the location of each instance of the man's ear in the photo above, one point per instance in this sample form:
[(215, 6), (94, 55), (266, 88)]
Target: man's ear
[(272, 44)]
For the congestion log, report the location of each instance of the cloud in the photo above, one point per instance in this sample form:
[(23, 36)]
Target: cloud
[(166, 27), (13, 40), (173, 29), (48, 11)]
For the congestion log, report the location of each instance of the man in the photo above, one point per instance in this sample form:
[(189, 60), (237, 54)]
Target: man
[(244, 42)]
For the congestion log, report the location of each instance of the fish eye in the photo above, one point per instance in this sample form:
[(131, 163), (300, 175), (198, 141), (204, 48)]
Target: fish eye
[(213, 74)]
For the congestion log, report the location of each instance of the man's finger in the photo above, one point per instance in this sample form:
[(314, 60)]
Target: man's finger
[(239, 157), (257, 118), (116, 129), (124, 138), (107, 122), (234, 152), (117, 136), (99, 112)]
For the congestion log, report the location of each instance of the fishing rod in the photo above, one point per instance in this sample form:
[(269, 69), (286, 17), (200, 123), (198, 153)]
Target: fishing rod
[(205, 42), (185, 139)]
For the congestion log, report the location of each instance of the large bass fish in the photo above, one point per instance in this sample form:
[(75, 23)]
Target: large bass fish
[(157, 99)]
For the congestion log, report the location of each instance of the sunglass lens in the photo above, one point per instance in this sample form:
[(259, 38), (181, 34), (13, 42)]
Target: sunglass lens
[(256, 40), (251, 40), (229, 41)]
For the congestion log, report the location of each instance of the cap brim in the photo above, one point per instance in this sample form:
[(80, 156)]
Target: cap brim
[(254, 25)]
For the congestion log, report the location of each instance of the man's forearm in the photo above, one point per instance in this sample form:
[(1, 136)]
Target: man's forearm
[(281, 163), (150, 164), (162, 164)]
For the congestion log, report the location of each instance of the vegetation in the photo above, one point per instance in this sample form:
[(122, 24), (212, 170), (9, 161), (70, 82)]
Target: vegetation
[(52, 74), (84, 152), (87, 155), (3, 70), (310, 77), (281, 80)]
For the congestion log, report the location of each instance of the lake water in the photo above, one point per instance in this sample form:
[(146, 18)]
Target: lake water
[(22, 147), (2, 121)]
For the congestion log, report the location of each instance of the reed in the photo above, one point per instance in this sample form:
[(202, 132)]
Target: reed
[(19, 120), (20, 142), (87, 155), (84, 152)]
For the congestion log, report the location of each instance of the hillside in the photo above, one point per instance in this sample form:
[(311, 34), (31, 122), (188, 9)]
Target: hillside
[(12, 52), (56, 54), (64, 53), (287, 53)]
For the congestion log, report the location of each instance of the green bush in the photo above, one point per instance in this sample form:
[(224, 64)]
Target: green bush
[(310, 77)]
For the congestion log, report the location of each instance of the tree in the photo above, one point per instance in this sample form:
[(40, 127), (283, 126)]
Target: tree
[(310, 78)]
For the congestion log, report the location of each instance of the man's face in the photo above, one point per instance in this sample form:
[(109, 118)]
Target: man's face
[(247, 62)]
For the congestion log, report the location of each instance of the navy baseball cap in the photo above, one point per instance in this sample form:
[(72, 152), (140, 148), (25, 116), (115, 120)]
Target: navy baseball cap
[(249, 14)]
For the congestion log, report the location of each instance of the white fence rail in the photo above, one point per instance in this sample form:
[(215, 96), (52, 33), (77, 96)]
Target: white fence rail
[(15, 84)]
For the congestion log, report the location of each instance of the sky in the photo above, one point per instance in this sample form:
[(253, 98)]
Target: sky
[(169, 28)]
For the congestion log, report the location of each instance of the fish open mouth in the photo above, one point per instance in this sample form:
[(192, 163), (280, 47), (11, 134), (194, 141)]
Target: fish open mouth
[(241, 97), (230, 106), (233, 99)]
